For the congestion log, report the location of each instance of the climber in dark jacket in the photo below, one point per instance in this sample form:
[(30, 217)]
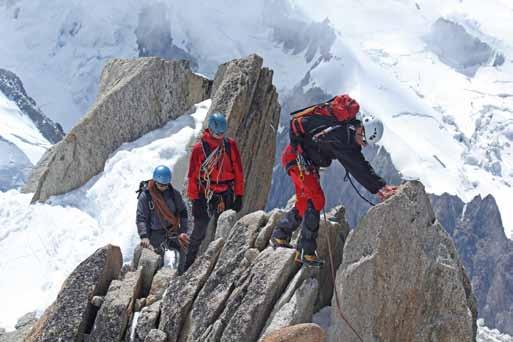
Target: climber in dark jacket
[(161, 214), (325, 137)]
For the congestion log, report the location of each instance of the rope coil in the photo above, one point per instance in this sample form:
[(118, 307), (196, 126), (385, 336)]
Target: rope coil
[(207, 167)]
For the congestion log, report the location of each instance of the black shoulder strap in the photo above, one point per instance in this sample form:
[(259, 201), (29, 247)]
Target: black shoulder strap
[(177, 198), (207, 150), (143, 187), (227, 148)]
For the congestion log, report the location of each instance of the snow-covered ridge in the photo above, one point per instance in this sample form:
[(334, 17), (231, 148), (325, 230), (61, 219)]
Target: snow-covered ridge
[(43, 243), (18, 129), (13, 89), (21, 144)]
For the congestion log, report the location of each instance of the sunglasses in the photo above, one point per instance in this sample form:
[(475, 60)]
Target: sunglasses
[(160, 185)]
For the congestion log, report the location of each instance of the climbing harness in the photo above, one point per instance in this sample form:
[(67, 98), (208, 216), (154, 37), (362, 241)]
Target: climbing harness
[(300, 161), (339, 309)]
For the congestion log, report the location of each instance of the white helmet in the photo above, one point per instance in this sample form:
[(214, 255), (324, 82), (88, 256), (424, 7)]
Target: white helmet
[(373, 128)]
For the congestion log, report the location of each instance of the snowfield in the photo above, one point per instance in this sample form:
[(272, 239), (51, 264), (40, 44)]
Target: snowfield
[(43, 243), (21, 145), (18, 129), (438, 72)]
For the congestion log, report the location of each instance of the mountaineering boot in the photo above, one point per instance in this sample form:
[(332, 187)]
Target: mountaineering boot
[(310, 260), (275, 243), (284, 229)]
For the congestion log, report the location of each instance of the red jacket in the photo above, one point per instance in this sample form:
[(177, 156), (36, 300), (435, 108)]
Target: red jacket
[(228, 169)]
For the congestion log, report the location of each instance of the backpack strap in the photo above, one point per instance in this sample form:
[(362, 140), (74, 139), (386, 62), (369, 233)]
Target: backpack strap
[(227, 148), (150, 201), (143, 187), (207, 150), (296, 123), (310, 109)]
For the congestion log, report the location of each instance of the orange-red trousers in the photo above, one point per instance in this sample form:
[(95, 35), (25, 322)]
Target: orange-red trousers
[(307, 188)]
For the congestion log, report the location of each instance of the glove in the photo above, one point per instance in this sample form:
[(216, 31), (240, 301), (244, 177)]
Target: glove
[(386, 192), (183, 240), (237, 204)]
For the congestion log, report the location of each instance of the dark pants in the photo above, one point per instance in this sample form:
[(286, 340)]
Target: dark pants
[(309, 228), (202, 212), (160, 243)]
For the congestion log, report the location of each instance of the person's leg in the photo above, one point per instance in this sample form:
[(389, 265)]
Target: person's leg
[(290, 222), (309, 230), (284, 229), (310, 224), (201, 218), (228, 198)]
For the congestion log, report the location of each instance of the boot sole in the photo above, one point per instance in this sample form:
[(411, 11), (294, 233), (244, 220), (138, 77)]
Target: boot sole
[(275, 245)]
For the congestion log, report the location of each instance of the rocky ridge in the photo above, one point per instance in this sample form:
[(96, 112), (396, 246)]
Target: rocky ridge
[(237, 291), (486, 253)]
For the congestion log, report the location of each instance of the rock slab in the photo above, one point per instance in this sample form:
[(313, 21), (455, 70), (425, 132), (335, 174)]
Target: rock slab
[(118, 308), (307, 332), (401, 278), (231, 266), (298, 309), (135, 97), (71, 314), (147, 321), (181, 293), (243, 90), (149, 262)]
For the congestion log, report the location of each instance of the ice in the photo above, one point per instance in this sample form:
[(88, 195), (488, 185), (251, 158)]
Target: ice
[(43, 243)]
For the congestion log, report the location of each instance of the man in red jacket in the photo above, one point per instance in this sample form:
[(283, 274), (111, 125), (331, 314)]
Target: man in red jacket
[(215, 180), (320, 134)]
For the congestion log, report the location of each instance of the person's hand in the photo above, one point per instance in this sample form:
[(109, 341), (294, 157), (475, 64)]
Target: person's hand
[(386, 192), (146, 243), (183, 240), (237, 204)]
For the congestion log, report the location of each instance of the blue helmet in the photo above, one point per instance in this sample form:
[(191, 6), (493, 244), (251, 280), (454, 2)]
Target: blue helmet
[(217, 123), (162, 174)]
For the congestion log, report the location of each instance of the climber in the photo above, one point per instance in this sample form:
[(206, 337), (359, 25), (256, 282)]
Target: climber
[(319, 134), (215, 180), (161, 216)]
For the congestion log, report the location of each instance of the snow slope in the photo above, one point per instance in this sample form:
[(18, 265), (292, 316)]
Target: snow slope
[(448, 123), (43, 243), (21, 144), (18, 129), (452, 131)]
